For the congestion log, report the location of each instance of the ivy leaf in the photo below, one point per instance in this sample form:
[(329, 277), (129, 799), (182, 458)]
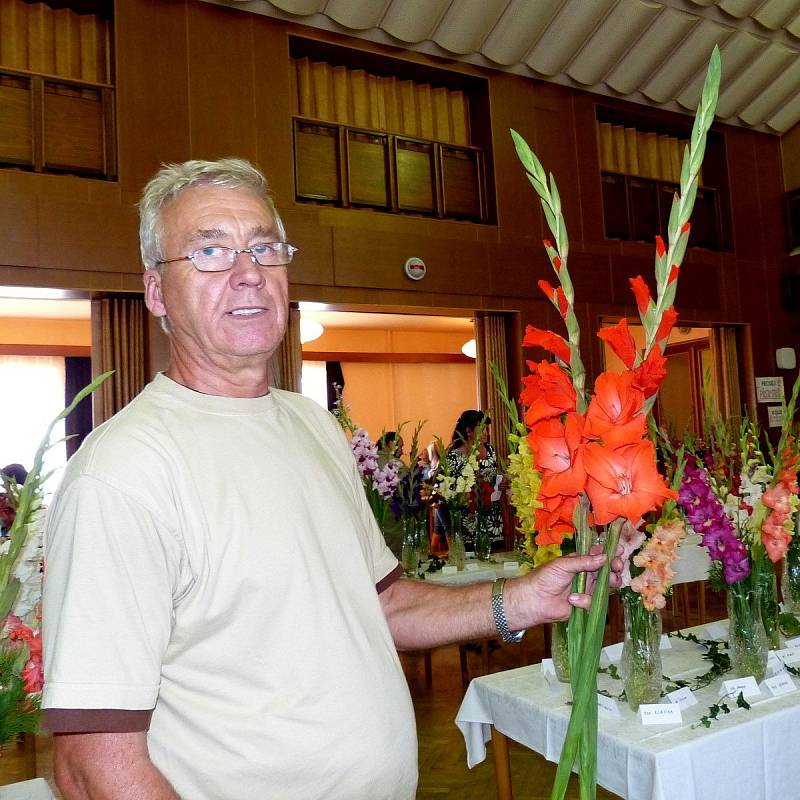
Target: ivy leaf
[(741, 702), (789, 624)]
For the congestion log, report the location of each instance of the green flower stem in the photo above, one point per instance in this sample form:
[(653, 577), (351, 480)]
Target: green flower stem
[(584, 692)]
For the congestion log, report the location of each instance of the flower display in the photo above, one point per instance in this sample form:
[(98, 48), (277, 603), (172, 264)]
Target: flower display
[(597, 466), (21, 676)]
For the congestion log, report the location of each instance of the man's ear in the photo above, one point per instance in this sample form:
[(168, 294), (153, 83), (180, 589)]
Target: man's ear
[(153, 297)]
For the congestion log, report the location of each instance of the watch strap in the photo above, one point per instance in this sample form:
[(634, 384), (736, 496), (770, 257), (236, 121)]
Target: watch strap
[(499, 614)]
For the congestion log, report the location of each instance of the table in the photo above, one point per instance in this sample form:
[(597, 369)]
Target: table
[(745, 754)]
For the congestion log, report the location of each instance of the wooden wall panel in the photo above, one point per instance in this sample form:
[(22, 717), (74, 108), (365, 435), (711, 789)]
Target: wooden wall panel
[(222, 110), (152, 112)]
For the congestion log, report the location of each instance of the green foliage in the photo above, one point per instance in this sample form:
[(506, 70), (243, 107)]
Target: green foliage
[(19, 712)]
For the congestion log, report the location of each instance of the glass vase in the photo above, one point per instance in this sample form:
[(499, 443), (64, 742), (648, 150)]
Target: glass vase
[(790, 580), (559, 650), (747, 639), (483, 537), (640, 665), (456, 552), (768, 598), (412, 545)]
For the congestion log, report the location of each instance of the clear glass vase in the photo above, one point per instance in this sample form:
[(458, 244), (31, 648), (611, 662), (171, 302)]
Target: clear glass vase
[(747, 639), (456, 552), (790, 580), (483, 536), (640, 665), (559, 649), (768, 597), (415, 536)]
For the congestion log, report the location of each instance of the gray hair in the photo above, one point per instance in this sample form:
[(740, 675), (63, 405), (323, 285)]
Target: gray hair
[(172, 179)]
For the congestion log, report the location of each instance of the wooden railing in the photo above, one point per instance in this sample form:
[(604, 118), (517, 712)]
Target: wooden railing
[(356, 167)]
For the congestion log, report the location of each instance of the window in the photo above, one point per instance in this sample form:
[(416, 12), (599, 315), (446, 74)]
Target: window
[(56, 88)]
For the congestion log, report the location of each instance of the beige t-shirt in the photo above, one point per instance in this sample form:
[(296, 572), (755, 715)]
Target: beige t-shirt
[(215, 559)]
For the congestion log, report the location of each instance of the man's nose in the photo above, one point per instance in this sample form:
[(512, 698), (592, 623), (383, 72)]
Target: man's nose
[(245, 270)]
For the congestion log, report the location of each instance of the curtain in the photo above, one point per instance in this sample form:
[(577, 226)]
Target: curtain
[(726, 372), (32, 396), (490, 341), (286, 364), (77, 374), (118, 336)]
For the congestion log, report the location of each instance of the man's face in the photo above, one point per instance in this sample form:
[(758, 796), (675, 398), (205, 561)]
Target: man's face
[(219, 321)]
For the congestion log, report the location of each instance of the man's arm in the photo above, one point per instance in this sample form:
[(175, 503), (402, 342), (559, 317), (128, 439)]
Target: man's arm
[(421, 615), (107, 766)]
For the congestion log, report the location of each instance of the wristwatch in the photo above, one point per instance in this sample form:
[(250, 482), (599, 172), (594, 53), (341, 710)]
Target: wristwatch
[(499, 614)]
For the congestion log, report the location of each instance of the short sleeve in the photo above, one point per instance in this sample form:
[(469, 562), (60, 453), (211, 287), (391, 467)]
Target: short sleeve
[(111, 575)]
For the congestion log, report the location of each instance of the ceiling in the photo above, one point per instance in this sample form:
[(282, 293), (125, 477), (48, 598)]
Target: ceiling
[(652, 52)]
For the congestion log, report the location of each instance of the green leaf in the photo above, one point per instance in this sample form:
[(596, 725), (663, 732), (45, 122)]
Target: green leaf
[(789, 624), (741, 702)]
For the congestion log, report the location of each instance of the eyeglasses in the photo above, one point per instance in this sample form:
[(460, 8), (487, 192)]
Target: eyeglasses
[(216, 258)]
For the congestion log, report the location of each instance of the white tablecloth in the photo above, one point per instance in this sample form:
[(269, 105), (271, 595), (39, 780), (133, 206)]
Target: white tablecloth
[(752, 755), (479, 571)]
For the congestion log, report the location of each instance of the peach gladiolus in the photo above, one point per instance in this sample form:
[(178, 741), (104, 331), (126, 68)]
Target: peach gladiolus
[(623, 482)]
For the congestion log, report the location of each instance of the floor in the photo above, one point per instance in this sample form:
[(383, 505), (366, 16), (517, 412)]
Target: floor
[(443, 768)]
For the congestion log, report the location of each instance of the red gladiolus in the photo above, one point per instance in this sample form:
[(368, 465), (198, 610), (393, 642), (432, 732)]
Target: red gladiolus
[(667, 323), (614, 413), (548, 290), (547, 392), (660, 248), (649, 375), (557, 263), (536, 337), (620, 341), (554, 520), (686, 227), (673, 274), (561, 299), (642, 293), (624, 482), (558, 455)]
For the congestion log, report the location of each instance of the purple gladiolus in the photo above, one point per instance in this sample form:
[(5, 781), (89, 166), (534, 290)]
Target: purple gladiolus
[(707, 516)]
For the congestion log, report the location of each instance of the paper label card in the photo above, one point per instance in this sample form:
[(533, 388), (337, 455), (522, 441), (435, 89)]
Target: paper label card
[(510, 566), (665, 643), (660, 714), (683, 698), (548, 667), (472, 567), (717, 630), (747, 686), (788, 655), (793, 642), (449, 569), (608, 707), (613, 651), (781, 683)]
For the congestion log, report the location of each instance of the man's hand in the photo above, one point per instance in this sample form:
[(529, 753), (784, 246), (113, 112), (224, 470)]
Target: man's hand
[(545, 595)]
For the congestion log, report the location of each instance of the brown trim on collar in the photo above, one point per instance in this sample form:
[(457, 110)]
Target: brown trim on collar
[(384, 583), (95, 720)]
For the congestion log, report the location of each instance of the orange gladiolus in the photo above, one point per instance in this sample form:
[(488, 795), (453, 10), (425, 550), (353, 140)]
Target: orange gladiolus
[(558, 456), (536, 337), (614, 413), (554, 520), (668, 321), (547, 392), (651, 372), (621, 342), (623, 482), (642, 293)]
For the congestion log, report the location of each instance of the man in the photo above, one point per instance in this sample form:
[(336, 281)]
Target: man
[(221, 615)]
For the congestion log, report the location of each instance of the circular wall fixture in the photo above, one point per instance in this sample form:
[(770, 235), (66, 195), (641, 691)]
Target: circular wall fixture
[(415, 268)]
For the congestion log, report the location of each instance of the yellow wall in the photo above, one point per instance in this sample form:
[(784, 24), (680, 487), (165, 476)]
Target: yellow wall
[(381, 396), (64, 332)]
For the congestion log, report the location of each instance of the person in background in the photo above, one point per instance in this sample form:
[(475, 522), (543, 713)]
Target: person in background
[(471, 424), (391, 445), (12, 476), (229, 633)]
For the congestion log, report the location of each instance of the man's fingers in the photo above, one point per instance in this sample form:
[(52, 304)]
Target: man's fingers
[(576, 563), (580, 600)]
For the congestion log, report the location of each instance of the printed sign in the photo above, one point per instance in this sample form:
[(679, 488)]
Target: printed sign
[(683, 698), (781, 683), (747, 686), (769, 390), (607, 707), (775, 416)]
